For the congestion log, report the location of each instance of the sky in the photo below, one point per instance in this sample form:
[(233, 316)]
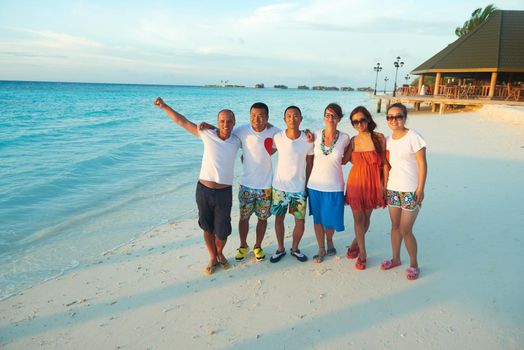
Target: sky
[(316, 42)]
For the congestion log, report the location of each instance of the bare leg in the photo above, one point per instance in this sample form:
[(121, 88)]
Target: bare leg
[(261, 231), (243, 229), (407, 220), (298, 232), (396, 237), (219, 244), (366, 223), (353, 244), (320, 235), (279, 231), (359, 218), (209, 238), (329, 238)]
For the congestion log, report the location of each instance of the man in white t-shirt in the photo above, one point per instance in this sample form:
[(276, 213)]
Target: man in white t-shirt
[(214, 193), (295, 160), (255, 184)]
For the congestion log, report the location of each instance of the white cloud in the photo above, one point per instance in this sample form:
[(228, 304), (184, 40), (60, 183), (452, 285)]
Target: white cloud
[(61, 40)]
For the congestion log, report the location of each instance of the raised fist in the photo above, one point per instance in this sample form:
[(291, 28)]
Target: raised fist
[(159, 102)]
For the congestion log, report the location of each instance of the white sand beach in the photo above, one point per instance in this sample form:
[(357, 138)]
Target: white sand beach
[(151, 293)]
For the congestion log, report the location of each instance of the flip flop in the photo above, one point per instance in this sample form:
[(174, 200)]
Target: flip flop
[(412, 273), (389, 264), (210, 269), (277, 256), (352, 253), (360, 264), (318, 258), (331, 251), (225, 265), (297, 254)]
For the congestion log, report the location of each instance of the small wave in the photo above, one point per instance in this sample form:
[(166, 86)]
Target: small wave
[(11, 290)]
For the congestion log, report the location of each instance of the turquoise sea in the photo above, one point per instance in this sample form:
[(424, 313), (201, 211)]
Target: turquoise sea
[(86, 167)]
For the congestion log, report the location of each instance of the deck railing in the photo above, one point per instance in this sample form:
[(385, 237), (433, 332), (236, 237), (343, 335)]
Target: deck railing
[(503, 92)]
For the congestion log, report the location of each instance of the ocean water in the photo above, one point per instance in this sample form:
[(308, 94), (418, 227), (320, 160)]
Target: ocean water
[(88, 167)]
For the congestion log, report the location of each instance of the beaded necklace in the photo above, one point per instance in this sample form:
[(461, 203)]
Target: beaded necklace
[(323, 146)]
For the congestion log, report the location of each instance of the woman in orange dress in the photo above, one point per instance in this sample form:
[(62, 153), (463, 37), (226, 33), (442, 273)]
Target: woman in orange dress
[(365, 189)]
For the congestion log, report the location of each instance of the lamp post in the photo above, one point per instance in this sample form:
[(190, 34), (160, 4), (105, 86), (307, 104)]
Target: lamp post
[(385, 83), (377, 69), (407, 78), (397, 64)]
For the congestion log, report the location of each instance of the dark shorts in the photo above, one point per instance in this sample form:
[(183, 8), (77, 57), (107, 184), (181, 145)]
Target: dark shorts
[(214, 210)]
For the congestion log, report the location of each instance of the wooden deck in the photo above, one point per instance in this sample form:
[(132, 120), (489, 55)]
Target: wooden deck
[(440, 102)]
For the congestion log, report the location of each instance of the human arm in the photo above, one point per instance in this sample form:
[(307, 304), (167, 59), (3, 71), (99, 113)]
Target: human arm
[(348, 152), (274, 147), (385, 164), (309, 166), (420, 156), (206, 126), (177, 117), (310, 136)]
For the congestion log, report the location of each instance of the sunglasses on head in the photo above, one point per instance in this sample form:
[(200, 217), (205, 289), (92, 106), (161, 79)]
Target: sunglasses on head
[(356, 122), (331, 116), (394, 117)]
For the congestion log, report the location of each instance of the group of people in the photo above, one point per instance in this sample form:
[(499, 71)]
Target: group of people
[(385, 171)]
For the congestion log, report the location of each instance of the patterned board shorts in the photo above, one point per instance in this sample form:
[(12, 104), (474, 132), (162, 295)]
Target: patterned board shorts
[(404, 200), (295, 200), (254, 200)]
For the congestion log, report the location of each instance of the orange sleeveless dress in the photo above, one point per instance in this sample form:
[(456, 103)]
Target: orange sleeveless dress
[(364, 189)]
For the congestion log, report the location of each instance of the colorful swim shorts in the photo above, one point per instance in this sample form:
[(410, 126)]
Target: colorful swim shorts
[(254, 200), (404, 200), (295, 200)]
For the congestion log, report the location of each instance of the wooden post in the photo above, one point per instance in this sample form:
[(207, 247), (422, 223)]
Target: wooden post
[(420, 83), (379, 103), (433, 107), (437, 83), (442, 108), (388, 103), (492, 84)]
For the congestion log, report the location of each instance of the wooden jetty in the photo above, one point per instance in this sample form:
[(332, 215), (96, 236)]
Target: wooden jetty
[(440, 103)]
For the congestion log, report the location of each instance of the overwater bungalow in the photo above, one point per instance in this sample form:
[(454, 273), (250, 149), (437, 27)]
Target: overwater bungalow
[(485, 66)]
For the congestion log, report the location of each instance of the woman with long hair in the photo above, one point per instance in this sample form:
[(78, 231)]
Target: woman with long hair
[(326, 183), (365, 189), (405, 187)]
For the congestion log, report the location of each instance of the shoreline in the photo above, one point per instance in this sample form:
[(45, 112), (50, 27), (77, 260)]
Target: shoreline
[(151, 291)]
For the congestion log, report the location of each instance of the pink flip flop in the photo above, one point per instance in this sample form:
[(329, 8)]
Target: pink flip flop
[(412, 273), (352, 253), (360, 264), (389, 264)]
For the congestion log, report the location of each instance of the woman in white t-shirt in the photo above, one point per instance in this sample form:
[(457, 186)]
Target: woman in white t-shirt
[(406, 151), (326, 183)]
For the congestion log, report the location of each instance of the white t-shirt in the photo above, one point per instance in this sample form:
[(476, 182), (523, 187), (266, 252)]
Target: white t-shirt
[(327, 174), (256, 152), (291, 167), (403, 176), (218, 160)]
